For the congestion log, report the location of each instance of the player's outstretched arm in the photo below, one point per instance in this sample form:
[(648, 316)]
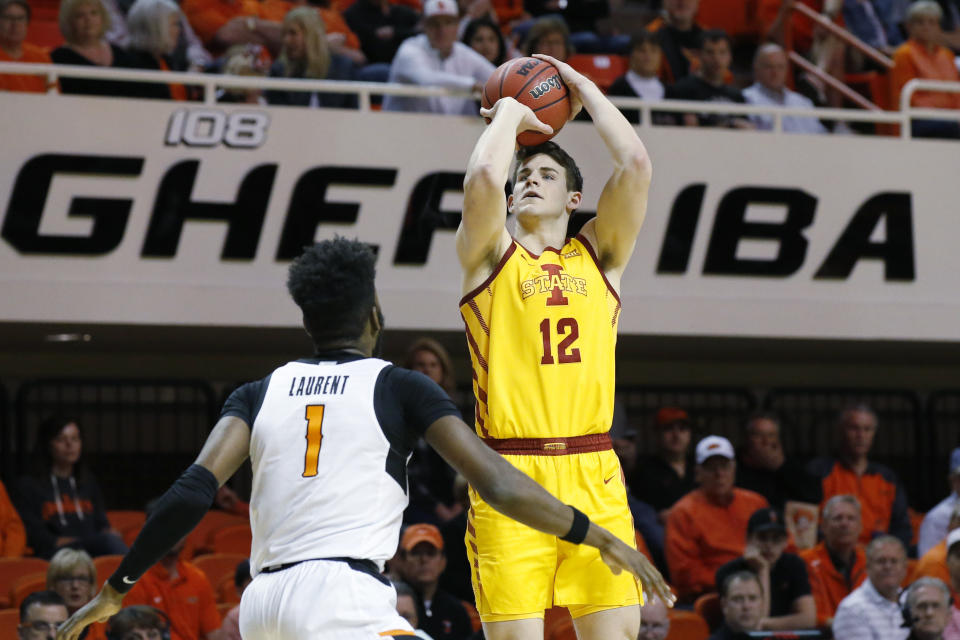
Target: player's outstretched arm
[(177, 512), (623, 202), (516, 495), (482, 236)]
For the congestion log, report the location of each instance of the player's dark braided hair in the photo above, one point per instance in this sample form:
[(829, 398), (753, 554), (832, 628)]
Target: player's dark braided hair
[(332, 283), (552, 149)]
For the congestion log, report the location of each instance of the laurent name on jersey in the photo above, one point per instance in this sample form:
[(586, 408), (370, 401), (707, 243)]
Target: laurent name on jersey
[(317, 385)]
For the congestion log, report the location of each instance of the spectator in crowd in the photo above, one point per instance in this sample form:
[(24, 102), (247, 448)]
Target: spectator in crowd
[(654, 621), (708, 527), (14, 19), (182, 592), (872, 611), (408, 604), (306, 54), (933, 563), (953, 581), (883, 500), (455, 579), (13, 537), (837, 565), (550, 36), (41, 613), (788, 602), (71, 574), (382, 26), (435, 58), (154, 32), (681, 38), (762, 466), (220, 24), (666, 476), (61, 504), (928, 602), (441, 615), (934, 528), (709, 83), (484, 36), (340, 37), (139, 622), (640, 80), (84, 24), (742, 601), (230, 629), (922, 56), (241, 60), (876, 23), (770, 68), (579, 17)]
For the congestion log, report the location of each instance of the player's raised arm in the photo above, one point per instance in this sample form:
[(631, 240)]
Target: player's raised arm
[(516, 495), (482, 237), (177, 512), (623, 202)]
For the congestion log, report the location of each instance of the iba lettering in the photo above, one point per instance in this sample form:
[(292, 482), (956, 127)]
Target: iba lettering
[(553, 82)]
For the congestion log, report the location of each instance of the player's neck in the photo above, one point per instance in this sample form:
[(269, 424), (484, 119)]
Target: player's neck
[(536, 233)]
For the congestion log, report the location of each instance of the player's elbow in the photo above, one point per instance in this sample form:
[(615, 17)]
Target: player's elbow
[(499, 492), (638, 163)]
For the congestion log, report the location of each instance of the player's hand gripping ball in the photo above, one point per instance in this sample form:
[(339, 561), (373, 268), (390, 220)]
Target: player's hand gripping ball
[(535, 83)]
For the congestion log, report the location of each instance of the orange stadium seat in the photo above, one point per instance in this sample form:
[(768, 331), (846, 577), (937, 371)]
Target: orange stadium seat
[(562, 630), (105, 566), (217, 566), (687, 625), (200, 539), (11, 569), (707, 607), (9, 621), (45, 33), (233, 539), (554, 617), (603, 69), (121, 520), (25, 585), (226, 591)]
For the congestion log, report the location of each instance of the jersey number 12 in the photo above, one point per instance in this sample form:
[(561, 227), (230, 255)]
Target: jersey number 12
[(311, 459), (566, 353)]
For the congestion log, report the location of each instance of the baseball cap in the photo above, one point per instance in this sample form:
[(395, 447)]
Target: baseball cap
[(440, 8), (953, 538), (955, 461), (669, 415), (417, 533), (765, 520), (714, 446)]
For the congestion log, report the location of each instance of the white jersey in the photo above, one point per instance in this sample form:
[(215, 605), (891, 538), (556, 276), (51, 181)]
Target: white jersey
[(329, 446)]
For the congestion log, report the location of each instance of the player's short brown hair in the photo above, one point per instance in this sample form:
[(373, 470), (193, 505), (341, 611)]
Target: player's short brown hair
[(553, 150)]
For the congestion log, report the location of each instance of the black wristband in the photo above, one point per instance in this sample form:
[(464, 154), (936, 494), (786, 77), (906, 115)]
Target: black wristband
[(578, 530)]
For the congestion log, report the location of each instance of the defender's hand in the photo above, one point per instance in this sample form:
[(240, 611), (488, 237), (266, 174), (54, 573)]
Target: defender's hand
[(619, 556), (527, 120), (104, 605), (574, 80)]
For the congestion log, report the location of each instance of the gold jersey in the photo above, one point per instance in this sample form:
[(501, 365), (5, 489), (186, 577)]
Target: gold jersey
[(542, 334)]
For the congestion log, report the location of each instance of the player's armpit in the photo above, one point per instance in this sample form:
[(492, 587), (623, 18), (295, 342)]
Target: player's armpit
[(227, 446)]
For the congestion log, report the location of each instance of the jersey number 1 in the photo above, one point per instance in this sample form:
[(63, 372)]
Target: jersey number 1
[(565, 327), (311, 459)]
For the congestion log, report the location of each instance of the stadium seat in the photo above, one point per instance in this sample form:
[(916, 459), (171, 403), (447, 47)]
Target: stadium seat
[(687, 625), (200, 540), (475, 621), (11, 569), (562, 630), (105, 566), (121, 520), (25, 585), (555, 617), (226, 591), (44, 33), (233, 539), (217, 566), (9, 621), (603, 69), (707, 607), (224, 607)]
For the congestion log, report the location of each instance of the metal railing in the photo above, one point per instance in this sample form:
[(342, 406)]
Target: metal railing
[(364, 90)]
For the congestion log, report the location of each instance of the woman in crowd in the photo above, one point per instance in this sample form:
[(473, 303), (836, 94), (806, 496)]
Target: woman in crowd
[(244, 60), (484, 37), (61, 505), (84, 24), (306, 54), (154, 31)]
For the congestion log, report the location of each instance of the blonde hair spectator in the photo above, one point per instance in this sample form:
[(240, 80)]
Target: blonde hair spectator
[(68, 9), (314, 62), (73, 575), (151, 24)]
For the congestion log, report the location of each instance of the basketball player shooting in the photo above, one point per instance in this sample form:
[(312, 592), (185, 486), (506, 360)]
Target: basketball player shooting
[(541, 317), (329, 438)]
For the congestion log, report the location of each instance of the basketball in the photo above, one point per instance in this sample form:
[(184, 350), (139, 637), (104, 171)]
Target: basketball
[(535, 83)]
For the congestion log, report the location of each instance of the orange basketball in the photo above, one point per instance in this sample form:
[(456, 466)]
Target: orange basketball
[(535, 83)]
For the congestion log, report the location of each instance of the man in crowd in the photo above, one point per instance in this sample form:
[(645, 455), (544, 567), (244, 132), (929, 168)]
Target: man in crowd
[(13, 537), (408, 606), (710, 83), (382, 26), (654, 621), (763, 468), (666, 476), (933, 529), (872, 611), (441, 615), (708, 526), (680, 38), (788, 603), (770, 68), (837, 565), (933, 564), (41, 613), (742, 601), (883, 500), (14, 19), (139, 622), (436, 59), (928, 601)]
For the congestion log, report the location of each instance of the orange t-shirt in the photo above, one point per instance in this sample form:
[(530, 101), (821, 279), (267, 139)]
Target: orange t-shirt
[(828, 585), (188, 600), (207, 16), (32, 84), (334, 22), (913, 60), (13, 537), (933, 564), (701, 536)]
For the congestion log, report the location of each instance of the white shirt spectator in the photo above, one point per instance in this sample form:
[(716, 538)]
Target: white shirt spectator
[(418, 63), (952, 632), (933, 529), (867, 615), (646, 88), (759, 95)]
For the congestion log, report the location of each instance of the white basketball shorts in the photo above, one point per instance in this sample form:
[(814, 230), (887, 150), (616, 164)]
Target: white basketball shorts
[(319, 600)]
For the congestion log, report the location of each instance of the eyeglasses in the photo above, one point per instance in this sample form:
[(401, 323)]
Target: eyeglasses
[(67, 580)]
